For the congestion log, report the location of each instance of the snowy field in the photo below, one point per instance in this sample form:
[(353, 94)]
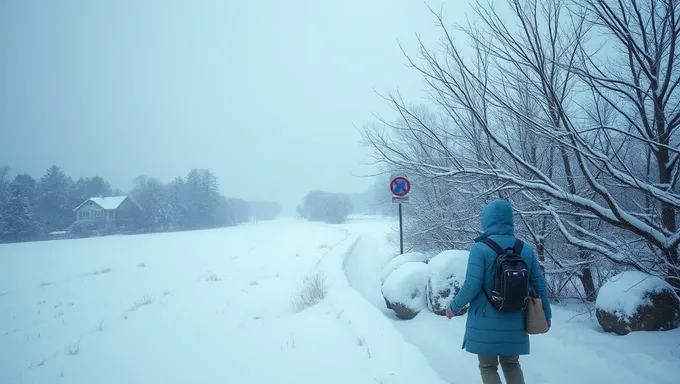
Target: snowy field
[(194, 307), (217, 306)]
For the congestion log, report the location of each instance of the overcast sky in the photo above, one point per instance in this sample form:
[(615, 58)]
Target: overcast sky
[(266, 94)]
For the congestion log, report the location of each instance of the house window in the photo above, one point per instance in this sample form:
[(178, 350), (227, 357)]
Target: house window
[(84, 214)]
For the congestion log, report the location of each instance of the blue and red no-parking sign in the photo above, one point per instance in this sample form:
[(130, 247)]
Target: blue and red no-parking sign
[(400, 186)]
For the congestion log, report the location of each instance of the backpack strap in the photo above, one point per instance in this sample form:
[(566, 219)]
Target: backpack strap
[(494, 246), (519, 245), (499, 251)]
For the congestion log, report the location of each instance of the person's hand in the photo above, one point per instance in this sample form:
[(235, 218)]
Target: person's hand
[(549, 324), (450, 313)]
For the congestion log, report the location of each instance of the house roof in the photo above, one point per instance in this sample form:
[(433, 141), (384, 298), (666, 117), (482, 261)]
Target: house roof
[(107, 203)]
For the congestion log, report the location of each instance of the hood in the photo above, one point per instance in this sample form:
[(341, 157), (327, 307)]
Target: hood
[(497, 219)]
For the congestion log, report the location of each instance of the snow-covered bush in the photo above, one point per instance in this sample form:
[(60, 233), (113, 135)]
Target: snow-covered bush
[(405, 289), (400, 260), (446, 276), (80, 229), (634, 301)]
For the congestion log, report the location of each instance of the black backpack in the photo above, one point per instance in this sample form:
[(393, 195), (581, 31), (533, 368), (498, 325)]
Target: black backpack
[(511, 282)]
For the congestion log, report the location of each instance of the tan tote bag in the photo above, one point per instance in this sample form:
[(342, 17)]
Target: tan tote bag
[(536, 323)]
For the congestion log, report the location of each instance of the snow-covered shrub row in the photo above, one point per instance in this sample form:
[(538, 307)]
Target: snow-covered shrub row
[(412, 283), (630, 301)]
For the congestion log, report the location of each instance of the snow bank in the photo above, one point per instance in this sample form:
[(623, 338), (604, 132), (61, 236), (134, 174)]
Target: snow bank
[(446, 276), (626, 292), (391, 358), (398, 261), (407, 286)]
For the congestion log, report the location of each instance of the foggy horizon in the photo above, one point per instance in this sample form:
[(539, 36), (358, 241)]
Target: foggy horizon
[(267, 96)]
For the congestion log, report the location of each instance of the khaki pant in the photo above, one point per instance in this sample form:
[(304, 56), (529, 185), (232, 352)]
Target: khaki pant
[(488, 366)]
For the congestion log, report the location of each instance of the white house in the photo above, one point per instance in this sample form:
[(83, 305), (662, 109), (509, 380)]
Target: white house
[(109, 213)]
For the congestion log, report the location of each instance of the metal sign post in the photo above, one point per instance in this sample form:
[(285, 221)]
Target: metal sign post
[(400, 187)]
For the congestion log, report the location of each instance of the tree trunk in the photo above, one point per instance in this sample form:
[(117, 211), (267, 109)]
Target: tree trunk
[(540, 246), (668, 213), (586, 276), (588, 282), (672, 270)]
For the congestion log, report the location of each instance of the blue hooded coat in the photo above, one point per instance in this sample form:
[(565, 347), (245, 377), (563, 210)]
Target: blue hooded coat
[(488, 331)]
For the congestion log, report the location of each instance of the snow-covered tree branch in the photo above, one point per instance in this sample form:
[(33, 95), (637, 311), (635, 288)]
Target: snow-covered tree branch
[(581, 139)]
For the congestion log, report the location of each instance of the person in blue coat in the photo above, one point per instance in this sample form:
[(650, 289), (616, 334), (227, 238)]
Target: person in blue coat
[(493, 335)]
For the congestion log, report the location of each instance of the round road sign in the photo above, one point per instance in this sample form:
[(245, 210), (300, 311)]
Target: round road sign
[(400, 186)]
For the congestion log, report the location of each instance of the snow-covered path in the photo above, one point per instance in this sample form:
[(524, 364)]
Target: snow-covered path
[(194, 307), (575, 350)]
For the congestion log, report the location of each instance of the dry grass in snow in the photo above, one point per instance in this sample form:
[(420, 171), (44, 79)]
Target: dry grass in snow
[(311, 292)]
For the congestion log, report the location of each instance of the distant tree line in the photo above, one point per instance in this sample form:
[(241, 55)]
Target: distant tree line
[(30, 208), (327, 207)]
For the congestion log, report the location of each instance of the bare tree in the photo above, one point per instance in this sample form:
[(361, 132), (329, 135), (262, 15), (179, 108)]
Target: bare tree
[(436, 218), (543, 91)]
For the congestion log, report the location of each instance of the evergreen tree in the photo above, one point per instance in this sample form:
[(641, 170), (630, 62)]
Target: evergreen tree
[(203, 198), (4, 197), (19, 220), (149, 194), (87, 187), (97, 186), (55, 204), (177, 204)]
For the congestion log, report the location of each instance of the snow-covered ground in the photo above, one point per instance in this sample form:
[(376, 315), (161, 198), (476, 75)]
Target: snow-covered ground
[(217, 306), (575, 350), (194, 307)]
